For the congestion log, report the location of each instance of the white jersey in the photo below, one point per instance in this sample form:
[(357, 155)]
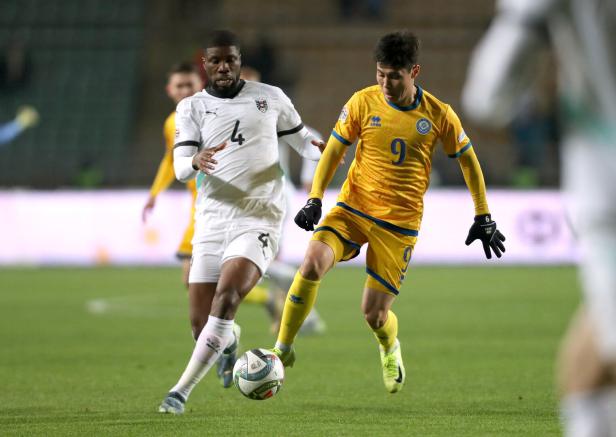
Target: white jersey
[(247, 184), (584, 37)]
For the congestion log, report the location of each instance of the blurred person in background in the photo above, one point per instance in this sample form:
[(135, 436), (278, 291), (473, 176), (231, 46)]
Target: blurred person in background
[(15, 65), (397, 125), (26, 118), (583, 36), (280, 273), (183, 80), (229, 132)]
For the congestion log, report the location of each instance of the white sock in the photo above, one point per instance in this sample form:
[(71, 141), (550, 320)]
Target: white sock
[(232, 346), (589, 414), (216, 335)]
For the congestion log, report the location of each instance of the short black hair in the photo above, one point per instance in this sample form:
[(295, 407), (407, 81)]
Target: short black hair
[(222, 38), (183, 67), (397, 49)]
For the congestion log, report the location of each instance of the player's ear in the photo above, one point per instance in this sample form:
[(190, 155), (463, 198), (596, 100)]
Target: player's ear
[(415, 71)]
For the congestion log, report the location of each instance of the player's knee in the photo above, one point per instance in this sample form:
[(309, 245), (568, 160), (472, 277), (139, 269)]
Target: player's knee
[(375, 317), (313, 267)]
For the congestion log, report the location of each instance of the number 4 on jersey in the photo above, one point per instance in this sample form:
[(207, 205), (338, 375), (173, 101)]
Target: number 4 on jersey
[(235, 137)]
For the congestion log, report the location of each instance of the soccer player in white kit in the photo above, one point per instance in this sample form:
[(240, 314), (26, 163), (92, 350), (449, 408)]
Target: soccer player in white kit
[(230, 132), (583, 33)]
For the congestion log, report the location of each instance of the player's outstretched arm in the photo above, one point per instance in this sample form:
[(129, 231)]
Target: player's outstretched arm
[(164, 178), (505, 61), (304, 143), (310, 214), (483, 228)]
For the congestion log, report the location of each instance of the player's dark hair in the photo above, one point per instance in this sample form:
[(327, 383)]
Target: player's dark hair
[(397, 49), (183, 67), (222, 38)]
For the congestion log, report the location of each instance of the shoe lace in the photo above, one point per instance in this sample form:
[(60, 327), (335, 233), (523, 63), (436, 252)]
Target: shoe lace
[(390, 365)]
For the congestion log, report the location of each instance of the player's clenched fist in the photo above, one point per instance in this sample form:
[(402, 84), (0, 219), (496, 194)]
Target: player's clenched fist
[(204, 160), (309, 215)]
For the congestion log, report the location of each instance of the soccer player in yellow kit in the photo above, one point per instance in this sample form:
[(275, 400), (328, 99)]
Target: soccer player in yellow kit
[(183, 80), (397, 125)]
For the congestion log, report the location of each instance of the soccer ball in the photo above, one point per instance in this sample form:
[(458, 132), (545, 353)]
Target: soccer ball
[(258, 374)]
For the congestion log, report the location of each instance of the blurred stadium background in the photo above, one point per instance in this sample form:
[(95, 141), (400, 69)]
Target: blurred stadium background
[(72, 189)]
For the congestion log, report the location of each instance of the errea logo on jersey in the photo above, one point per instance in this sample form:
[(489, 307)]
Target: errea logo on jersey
[(423, 126), (375, 121)]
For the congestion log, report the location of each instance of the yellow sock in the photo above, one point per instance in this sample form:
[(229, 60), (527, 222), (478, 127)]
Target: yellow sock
[(299, 302), (258, 295), (386, 335)]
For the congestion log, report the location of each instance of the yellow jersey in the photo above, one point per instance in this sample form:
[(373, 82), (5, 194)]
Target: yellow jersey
[(391, 170), (165, 174)]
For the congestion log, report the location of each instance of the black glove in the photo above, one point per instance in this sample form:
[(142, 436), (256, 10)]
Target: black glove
[(309, 215), (484, 229)]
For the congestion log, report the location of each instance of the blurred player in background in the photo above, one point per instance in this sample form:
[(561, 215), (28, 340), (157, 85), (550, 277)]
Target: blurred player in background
[(183, 80), (280, 273), (583, 33), (230, 132), (26, 118), (398, 125)]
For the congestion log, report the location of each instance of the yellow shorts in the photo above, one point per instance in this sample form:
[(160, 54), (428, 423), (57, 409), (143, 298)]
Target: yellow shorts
[(390, 248), (185, 248)]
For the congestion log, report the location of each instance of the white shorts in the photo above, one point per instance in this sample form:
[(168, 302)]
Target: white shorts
[(589, 181), (258, 245)]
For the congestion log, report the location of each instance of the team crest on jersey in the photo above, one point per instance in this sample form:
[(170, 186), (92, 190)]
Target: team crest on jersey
[(344, 114), (261, 104), (423, 126)]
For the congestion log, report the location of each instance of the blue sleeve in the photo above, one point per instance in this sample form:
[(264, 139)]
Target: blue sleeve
[(9, 131)]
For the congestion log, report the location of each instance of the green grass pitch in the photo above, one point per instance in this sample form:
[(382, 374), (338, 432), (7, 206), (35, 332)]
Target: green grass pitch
[(478, 343)]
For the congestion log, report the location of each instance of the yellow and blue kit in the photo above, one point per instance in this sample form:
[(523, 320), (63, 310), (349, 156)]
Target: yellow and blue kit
[(165, 177), (381, 201)]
